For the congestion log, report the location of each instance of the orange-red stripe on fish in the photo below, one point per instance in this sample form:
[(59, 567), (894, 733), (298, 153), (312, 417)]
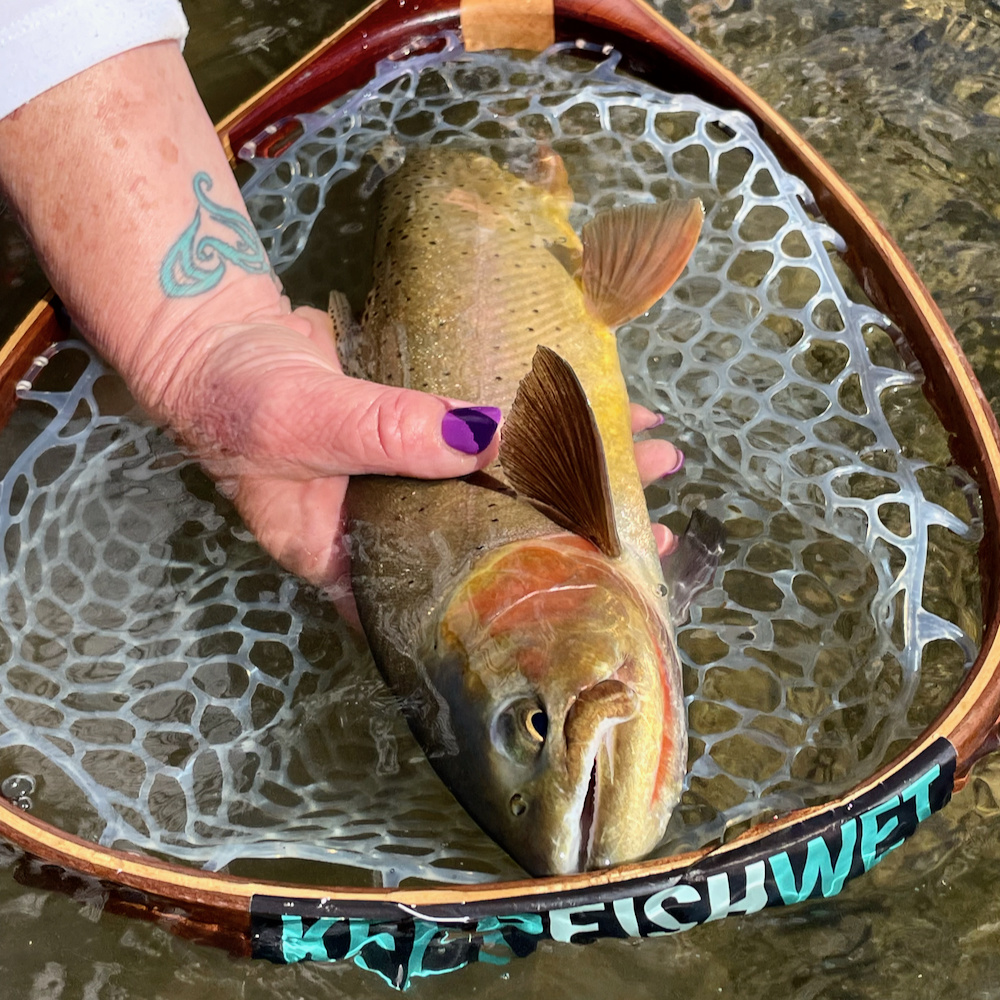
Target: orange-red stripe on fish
[(667, 747), (552, 576)]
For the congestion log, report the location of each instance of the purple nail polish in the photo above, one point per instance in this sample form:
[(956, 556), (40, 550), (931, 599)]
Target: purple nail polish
[(678, 465), (470, 429)]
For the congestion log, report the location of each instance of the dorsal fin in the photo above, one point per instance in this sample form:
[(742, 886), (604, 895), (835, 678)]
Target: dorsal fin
[(552, 454), (632, 255)]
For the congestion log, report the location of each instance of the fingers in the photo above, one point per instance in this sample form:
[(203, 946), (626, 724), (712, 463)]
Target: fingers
[(666, 540), (656, 458), (643, 419), (299, 523)]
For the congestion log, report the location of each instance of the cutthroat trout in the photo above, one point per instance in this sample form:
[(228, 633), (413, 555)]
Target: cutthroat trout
[(522, 614)]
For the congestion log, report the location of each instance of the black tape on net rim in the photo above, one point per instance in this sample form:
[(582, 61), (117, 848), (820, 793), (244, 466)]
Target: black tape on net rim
[(810, 859)]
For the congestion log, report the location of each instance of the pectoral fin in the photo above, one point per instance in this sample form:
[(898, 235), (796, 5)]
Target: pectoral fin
[(339, 310), (552, 454), (632, 255), (691, 567), (346, 332)]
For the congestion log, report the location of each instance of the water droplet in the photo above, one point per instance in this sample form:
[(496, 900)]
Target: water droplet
[(17, 786)]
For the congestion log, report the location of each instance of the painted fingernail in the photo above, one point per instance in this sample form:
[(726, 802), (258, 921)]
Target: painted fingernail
[(678, 465), (470, 429), (658, 419)]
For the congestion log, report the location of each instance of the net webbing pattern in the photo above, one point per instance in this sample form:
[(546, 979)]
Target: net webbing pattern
[(170, 688)]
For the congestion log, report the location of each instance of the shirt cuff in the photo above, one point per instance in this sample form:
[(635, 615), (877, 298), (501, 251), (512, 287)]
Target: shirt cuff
[(44, 42)]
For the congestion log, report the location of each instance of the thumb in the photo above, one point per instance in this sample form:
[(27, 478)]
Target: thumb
[(402, 431), (268, 396), (391, 431)]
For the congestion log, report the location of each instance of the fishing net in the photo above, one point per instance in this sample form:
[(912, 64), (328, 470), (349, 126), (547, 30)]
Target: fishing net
[(165, 686)]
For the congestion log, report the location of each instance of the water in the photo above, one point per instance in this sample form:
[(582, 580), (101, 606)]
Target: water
[(900, 102)]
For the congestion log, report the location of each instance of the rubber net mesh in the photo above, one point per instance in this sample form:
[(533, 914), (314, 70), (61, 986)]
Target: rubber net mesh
[(166, 686)]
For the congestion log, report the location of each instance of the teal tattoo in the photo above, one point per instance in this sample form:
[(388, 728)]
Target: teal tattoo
[(195, 264)]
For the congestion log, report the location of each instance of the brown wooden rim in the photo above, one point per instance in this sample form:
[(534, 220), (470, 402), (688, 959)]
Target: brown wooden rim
[(215, 906)]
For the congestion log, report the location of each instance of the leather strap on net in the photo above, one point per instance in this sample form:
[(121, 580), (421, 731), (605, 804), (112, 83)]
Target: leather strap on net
[(507, 24)]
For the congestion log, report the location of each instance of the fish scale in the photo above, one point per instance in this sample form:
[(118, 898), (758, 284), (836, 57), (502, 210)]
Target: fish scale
[(485, 267)]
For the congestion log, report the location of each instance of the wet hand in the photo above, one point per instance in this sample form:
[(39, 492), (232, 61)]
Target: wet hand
[(655, 458)]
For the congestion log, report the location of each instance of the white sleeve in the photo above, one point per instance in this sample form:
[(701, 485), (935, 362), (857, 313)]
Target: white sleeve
[(43, 42)]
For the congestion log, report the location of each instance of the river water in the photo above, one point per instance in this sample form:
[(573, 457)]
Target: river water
[(904, 100)]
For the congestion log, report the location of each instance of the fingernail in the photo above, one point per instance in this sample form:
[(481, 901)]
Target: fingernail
[(470, 429), (678, 465), (659, 420)]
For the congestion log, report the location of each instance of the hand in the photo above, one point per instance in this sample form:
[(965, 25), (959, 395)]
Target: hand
[(286, 428), (655, 458)]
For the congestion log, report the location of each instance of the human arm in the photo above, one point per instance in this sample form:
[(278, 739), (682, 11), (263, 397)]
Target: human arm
[(114, 174)]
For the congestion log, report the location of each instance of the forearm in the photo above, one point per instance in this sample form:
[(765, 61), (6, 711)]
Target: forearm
[(118, 177)]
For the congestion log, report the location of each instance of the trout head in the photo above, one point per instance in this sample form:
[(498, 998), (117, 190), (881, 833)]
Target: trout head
[(569, 733)]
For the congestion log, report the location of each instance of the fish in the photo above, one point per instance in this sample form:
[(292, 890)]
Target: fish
[(521, 614)]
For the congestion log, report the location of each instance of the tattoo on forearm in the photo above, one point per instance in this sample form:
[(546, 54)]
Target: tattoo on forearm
[(197, 261)]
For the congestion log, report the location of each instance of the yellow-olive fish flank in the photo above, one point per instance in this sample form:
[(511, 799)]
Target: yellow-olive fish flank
[(520, 614)]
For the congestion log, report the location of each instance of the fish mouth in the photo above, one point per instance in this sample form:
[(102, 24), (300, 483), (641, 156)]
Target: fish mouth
[(592, 726)]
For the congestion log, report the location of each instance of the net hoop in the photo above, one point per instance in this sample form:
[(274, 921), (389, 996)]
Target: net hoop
[(409, 932)]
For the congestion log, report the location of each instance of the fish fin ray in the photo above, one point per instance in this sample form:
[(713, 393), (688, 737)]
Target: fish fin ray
[(552, 454), (632, 255), (691, 566), (485, 481), (346, 330)]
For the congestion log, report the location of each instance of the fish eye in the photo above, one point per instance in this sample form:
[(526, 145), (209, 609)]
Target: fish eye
[(519, 730), (518, 804)]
